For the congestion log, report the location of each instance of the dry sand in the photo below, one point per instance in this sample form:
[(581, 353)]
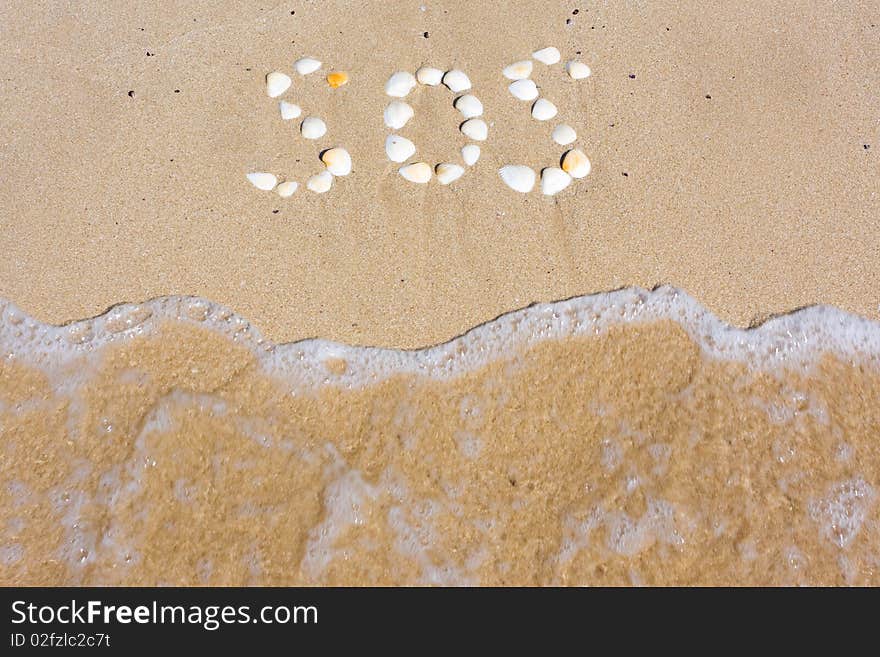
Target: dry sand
[(729, 152)]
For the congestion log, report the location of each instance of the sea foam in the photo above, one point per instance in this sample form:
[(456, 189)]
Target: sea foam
[(792, 341)]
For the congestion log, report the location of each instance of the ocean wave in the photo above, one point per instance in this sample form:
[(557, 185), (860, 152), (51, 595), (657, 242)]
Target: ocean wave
[(626, 437), (793, 340)]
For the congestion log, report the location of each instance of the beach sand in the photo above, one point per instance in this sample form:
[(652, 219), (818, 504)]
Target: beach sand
[(624, 453), (630, 438), (758, 200)]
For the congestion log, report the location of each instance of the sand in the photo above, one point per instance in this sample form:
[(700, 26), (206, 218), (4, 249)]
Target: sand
[(758, 200), (622, 458), (177, 442)]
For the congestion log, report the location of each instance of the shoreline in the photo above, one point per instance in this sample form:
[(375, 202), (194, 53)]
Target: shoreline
[(142, 196), (798, 339), (622, 456)]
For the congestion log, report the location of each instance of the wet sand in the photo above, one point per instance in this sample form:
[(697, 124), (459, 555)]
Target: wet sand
[(625, 455)]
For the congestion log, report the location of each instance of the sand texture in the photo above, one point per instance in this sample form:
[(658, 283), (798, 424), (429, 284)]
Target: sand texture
[(178, 453), (624, 438), (728, 151)]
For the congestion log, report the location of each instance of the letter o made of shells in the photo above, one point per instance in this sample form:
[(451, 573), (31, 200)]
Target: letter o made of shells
[(335, 160), (573, 163), (398, 112)]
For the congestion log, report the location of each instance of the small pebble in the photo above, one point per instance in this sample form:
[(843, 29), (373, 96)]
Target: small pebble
[(523, 89), (429, 75), (469, 106), (264, 181), (277, 83), (286, 189), (576, 163), (337, 78), (337, 160), (399, 149), (476, 129), (577, 70), (448, 173), (320, 182), (400, 84), (519, 178), (554, 180), (313, 128), (418, 172), (544, 110), (518, 70), (564, 134), (548, 56), (306, 65), (289, 110), (470, 154), (397, 114), (456, 81)]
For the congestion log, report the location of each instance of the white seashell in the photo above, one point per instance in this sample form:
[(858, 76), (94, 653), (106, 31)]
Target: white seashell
[(544, 110), (577, 70), (429, 75), (320, 182), (399, 149), (518, 70), (448, 173), (469, 106), (470, 154), (277, 83), (548, 56), (313, 128), (286, 189), (289, 110), (418, 172), (576, 163), (456, 80), (337, 160), (564, 134), (400, 84), (397, 114), (306, 65), (523, 89), (476, 129), (554, 180), (519, 178), (264, 181)]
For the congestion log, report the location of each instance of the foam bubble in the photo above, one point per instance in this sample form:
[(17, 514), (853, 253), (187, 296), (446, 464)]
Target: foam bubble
[(11, 554), (843, 510), (346, 500), (612, 455), (793, 341)]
